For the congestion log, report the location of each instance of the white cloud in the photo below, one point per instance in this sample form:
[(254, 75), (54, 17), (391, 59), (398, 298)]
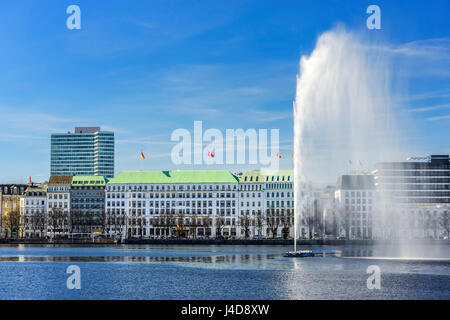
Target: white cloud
[(431, 108), (437, 118)]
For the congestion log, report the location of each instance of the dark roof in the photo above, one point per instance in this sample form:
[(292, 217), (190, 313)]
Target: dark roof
[(60, 180), (433, 162), (355, 181), (9, 189)]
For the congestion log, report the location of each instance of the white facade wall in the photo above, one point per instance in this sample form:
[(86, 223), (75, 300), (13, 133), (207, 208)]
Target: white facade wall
[(201, 210), (153, 210), (359, 206), (34, 208), (58, 200), (279, 202)]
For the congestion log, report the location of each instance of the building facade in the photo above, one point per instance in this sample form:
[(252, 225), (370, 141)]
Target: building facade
[(414, 197), (266, 204), (163, 204), (58, 206), (87, 205), (33, 206), (10, 218), (407, 200), (87, 151), (355, 199), (199, 204)]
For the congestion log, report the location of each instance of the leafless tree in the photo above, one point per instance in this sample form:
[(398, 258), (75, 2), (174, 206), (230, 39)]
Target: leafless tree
[(118, 220), (344, 219), (244, 223), (181, 232), (38, 222), (259, 223), (57, 219), (444, 222), (309, 213), (207, 224), (14, 223), (285, 225), (219, 224), (428, 223), (273, 223)]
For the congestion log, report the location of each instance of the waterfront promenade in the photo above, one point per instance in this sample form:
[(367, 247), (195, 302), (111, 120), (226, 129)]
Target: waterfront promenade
[(227, 242)]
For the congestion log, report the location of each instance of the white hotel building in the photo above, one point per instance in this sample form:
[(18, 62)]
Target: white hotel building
[(266, 203), (198, 204)]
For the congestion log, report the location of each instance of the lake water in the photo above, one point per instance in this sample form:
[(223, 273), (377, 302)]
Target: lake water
[(221, 272)]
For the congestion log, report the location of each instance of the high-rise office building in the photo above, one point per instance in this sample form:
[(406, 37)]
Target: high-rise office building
[(87, 151)]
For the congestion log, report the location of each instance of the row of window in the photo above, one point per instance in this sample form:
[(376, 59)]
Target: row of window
[(358, 194), (168, 187)]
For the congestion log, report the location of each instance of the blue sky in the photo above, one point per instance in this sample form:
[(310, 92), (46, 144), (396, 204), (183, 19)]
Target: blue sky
[(146, 68)]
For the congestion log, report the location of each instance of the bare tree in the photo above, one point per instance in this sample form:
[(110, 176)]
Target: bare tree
[(244, 223), (38, 222), (57, 220), (444, 222), (207, 223), (309, 219), (344, 219), (117, 219), (272, 224), (259, 223), (285, 225), (219, 224), (428, 223), (75, 218), (14, 223), (180, 226), (53, 220), (193, 225)]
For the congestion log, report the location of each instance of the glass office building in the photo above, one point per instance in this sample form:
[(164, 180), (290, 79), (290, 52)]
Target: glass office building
[(87, 151), (423, 182)]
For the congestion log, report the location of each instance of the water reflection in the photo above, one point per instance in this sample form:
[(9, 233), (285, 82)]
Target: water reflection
[(143, 259), (355, 252)]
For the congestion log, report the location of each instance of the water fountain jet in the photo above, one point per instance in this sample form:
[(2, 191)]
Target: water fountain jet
[(342, 113)]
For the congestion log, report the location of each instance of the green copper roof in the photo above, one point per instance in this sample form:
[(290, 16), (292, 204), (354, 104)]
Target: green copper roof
[(178, 176), (258, 176), (89, 181)]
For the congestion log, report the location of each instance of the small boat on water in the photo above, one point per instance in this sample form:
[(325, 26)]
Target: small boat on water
[(300, 253)]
